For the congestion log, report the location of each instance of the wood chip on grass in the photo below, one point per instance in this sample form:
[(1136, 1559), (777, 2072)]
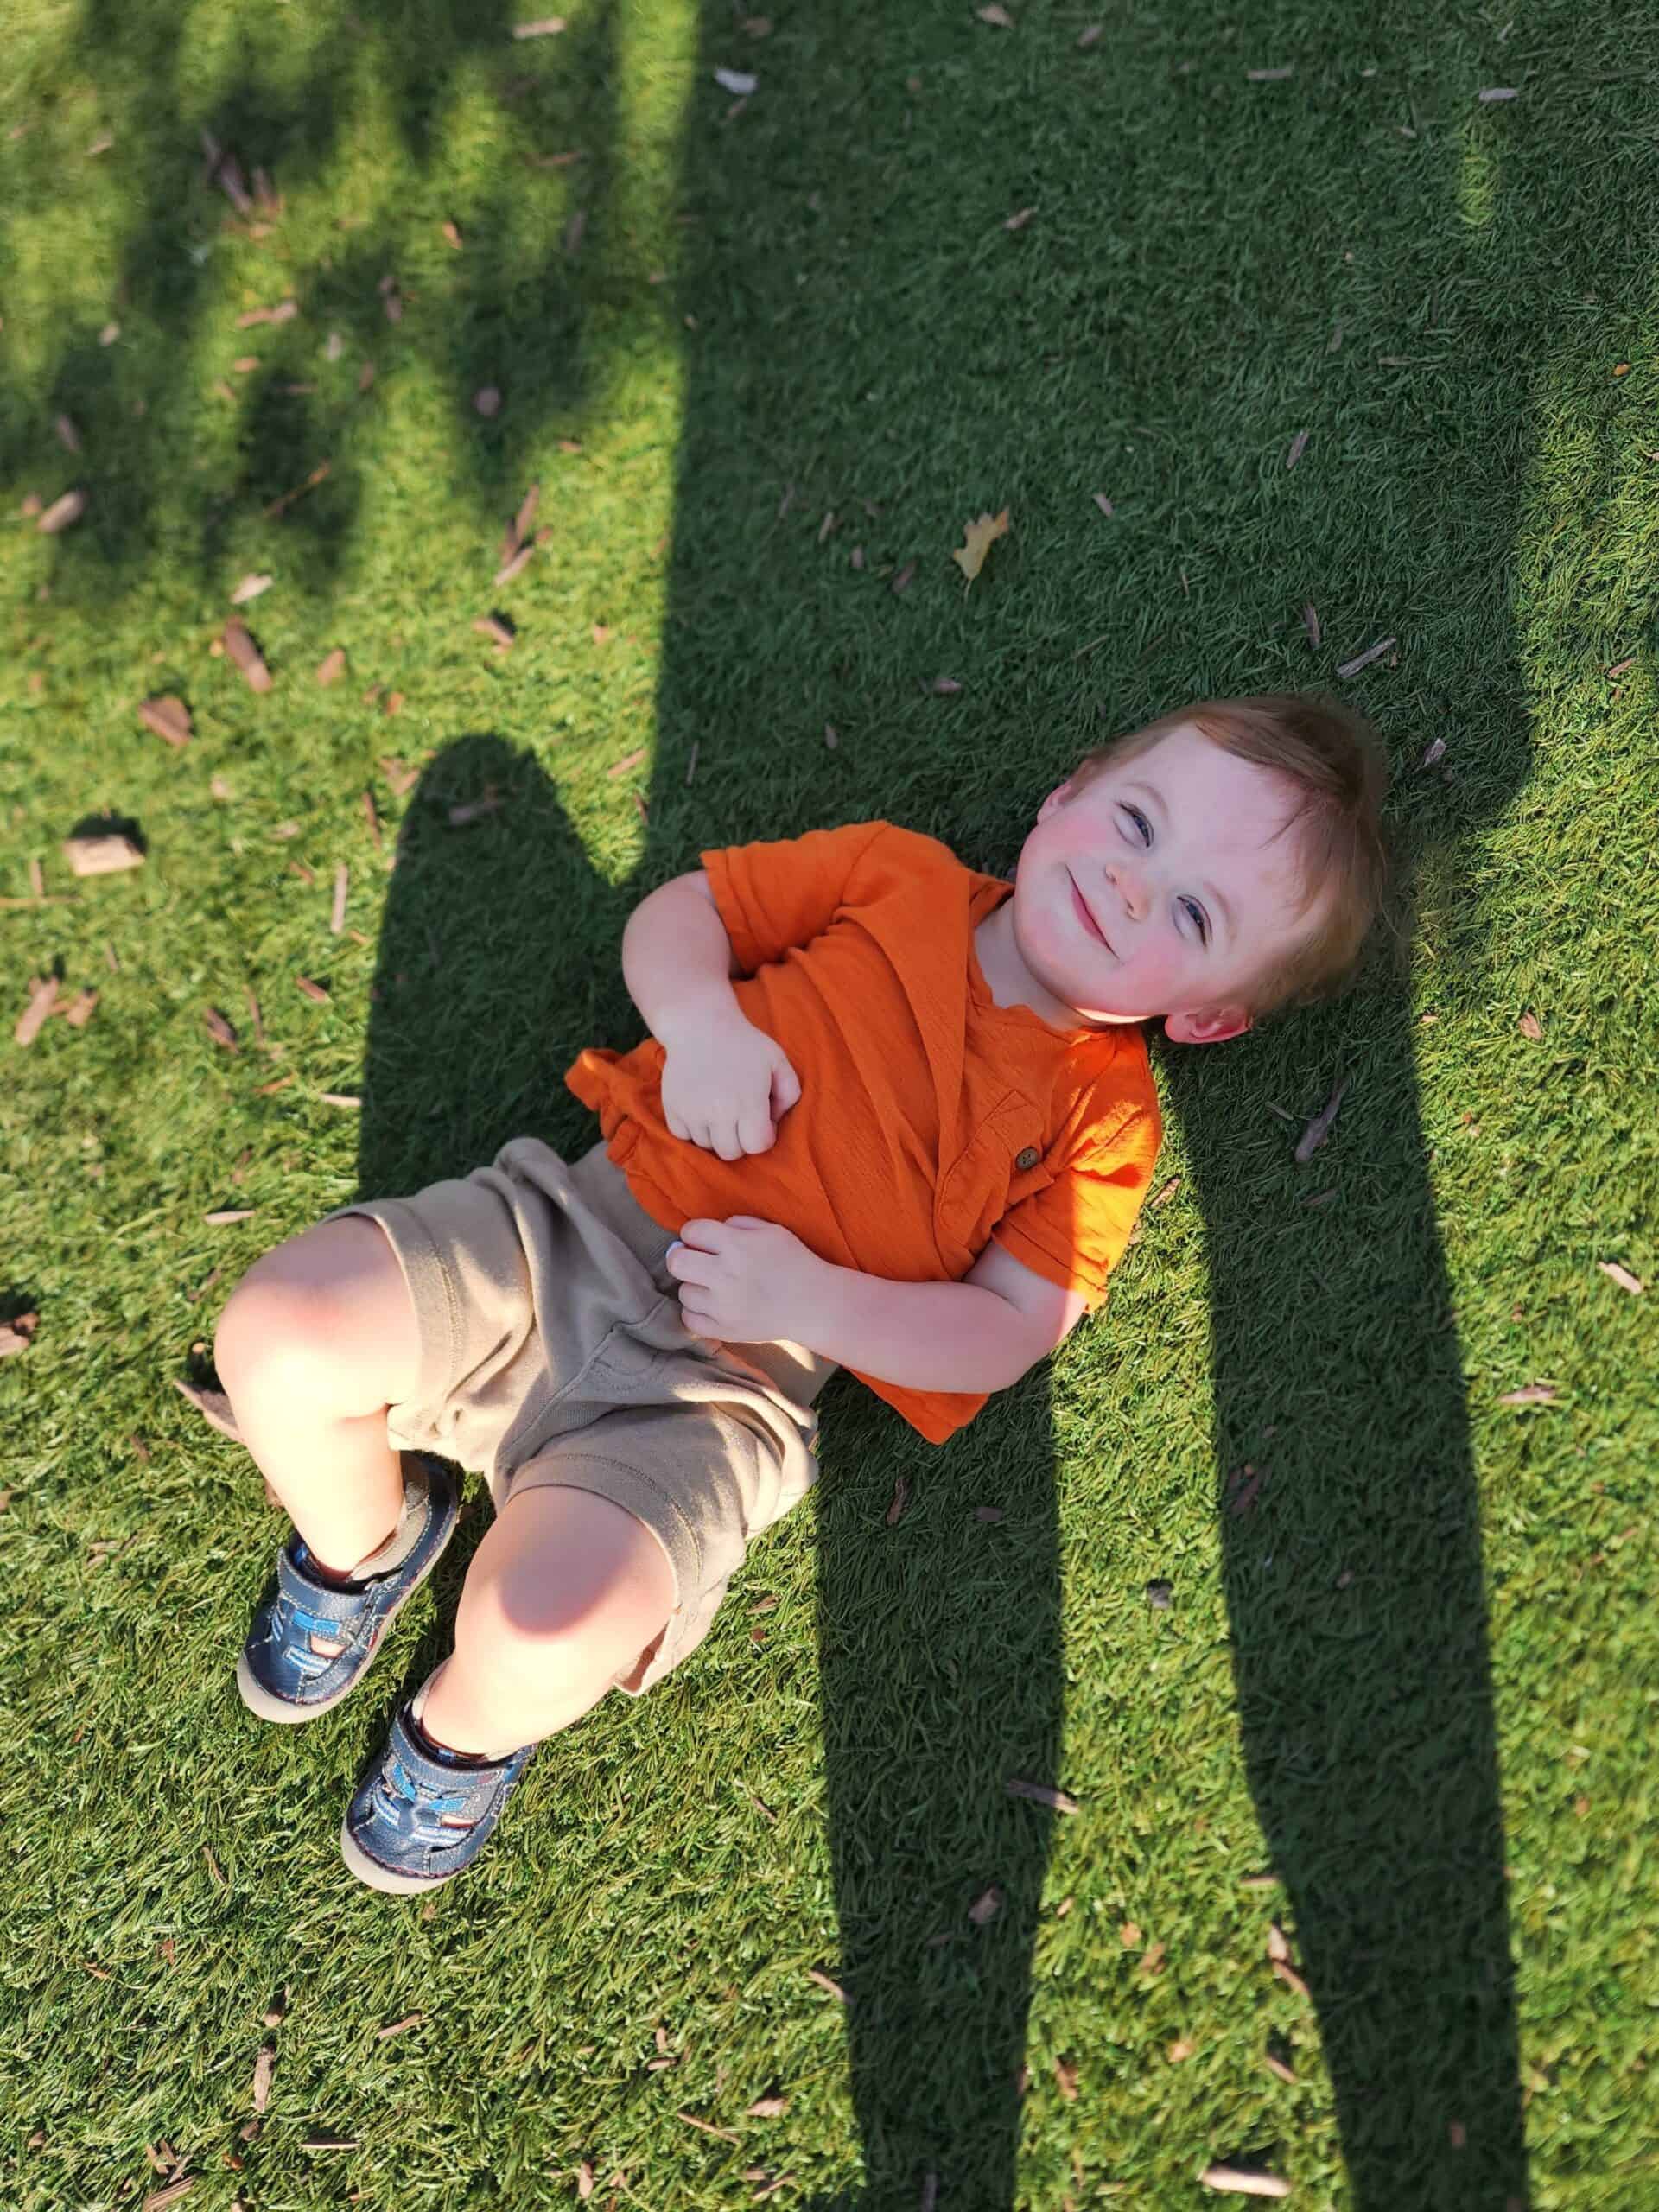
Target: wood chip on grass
[(61, 513), (251, 587), (168, 716), (108, 854), (317, 992), (218, 1028), (42, 1001), (247, 655), (1364, 660), (212, 1405), (1621, 1276), (337, 912), (1244, 2181), (1042, 1793)]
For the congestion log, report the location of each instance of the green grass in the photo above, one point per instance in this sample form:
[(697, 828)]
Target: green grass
[(1419, 1678)]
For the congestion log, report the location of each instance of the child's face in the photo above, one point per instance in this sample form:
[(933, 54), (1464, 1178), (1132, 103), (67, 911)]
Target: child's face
[(1156, 887)]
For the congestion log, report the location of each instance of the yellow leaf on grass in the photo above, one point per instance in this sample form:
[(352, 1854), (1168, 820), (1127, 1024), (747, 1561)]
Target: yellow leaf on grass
[(979, 537)]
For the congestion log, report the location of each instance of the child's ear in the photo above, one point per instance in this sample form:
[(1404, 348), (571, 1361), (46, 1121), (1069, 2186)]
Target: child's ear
[(1214, 1027), (1056, 798)]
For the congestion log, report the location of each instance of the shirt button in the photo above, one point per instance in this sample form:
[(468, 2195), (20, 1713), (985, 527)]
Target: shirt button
[(1027, 1159)]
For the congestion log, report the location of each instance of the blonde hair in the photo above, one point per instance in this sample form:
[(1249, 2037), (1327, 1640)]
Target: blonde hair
[(1332, 757)]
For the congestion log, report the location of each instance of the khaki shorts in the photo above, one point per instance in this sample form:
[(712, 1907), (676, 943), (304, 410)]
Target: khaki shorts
[(552, 1350)]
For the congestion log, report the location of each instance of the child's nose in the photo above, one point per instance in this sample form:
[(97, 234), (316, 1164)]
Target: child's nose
[(1131, 889)]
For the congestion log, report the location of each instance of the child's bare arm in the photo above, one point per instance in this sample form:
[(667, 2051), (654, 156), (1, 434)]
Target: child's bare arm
[(749, 1281), (726, 1084)]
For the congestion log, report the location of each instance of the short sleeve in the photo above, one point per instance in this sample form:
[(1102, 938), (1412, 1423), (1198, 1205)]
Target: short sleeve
[(771, 896), (1074, 1231)]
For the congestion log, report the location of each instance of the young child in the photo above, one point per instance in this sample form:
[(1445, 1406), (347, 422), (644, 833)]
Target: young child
[(893, 1116)]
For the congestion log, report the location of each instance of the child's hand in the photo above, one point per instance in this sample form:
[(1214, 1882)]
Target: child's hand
[(745, 1281), (725, 1086)]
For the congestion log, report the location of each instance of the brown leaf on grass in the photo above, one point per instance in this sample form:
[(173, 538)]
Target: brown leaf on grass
[(247, 655), (1165, 1192), (944, 687), (1364, 660), (814, 1974), (213, 1406), (1276, 2065), (1091, 34), (42, 1001), (36, 878), (1311, 623), (32, 503), (401, 778), (1622, 667), (316, 991), (1621, 1276), (986, 1906), (1497, 93), (264, 2067), (246, 365), (767, 2108), (999, 18), (900, 1493), (366, 377), (337, 912), (397, 2027), (978, 538), (61, 513), (168, 716), (251, 587), (332, 667), (1151, 1960), (1180, 2052), (510, 568), (487, 401), (394, 703), (79, 1013), (1130, 1936), (1042, 1793), (1018, 220), (832, 736), (371, 817), (452, 233), (524, 522), (1433, 753), (1065, 2076), (1278, 1942), (106, 854), (628, 760), (1298, 448), (1244, 1488), (987, 1513), (543, 26), (264, 1090), (1319, 1128), (585, 2179), (223, 1217), (1529, 1394), (1529, 1026), (110, 333), (902, 581), (1268, 76), (1244, 2181), (218, 1029), (492, 625), (67, 434), (16, 1335)]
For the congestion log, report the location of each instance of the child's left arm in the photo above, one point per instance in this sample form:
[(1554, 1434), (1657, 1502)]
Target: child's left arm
[(749, 1281)]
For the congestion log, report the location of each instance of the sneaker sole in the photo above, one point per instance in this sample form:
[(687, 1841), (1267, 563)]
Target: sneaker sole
[(262, 1701), (384, 1878)]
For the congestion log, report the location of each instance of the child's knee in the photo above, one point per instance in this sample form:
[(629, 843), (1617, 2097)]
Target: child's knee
[(326, 1316)]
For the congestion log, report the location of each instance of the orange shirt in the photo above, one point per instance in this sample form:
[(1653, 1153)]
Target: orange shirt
[(930, 1119)]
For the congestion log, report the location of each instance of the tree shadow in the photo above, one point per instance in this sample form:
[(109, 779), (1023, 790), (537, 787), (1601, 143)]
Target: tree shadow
[(1354, 1580)]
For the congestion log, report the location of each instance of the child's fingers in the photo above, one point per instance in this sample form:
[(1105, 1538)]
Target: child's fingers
[(688, 1265), (755, 1130), (786, 1089), (676, 1127), (701, 1233)]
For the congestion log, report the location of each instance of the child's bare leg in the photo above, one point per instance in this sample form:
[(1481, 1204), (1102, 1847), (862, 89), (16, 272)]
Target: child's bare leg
[(318, 1339), (561, 1597)]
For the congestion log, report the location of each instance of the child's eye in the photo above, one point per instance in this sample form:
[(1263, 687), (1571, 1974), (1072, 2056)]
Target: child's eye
[(1143, 827), (1199, 919)]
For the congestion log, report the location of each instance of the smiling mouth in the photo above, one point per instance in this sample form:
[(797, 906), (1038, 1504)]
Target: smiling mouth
[(1085, 915)]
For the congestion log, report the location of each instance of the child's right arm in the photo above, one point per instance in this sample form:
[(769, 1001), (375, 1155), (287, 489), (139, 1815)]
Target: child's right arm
[(726, 1084)]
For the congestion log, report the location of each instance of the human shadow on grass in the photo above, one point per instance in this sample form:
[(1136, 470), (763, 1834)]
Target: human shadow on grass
[(1353, 1570)]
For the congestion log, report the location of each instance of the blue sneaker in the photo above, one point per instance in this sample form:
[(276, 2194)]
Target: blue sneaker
[(422, 1814), (311, 1642)]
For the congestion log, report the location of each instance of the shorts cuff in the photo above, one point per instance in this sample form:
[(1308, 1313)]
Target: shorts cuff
[(432, 1290)]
